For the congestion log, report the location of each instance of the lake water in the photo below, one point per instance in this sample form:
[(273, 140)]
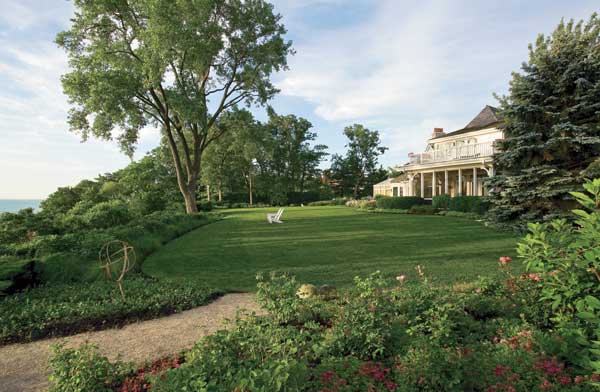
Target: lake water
[(7, 205)]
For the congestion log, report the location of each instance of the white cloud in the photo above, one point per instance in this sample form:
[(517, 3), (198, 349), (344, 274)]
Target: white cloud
[(406, 67)]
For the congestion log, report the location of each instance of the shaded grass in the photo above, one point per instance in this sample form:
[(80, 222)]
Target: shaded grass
[(330, 245)]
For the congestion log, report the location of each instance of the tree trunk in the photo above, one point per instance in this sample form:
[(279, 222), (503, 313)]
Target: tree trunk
[(189, 195), (208, 192), (219, 193), (250, 187)]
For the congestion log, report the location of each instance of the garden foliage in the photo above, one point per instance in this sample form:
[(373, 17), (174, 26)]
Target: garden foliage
[(383, 336), (69, 308), (402, 202), (566, 260)]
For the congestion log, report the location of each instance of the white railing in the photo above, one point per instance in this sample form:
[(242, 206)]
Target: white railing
[(467, 151)]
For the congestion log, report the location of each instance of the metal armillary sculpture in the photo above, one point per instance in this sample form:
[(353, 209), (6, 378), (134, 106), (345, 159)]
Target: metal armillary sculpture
[(116, 259)]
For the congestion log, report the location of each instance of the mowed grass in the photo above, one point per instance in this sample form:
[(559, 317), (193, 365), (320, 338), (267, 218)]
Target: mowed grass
[(330, 245)]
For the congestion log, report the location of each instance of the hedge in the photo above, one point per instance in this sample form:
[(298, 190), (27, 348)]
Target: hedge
[(442, 202), (476, 204), (403, 202)]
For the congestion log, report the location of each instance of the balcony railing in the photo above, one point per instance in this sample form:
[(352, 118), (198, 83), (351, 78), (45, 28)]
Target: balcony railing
[(466, 151)]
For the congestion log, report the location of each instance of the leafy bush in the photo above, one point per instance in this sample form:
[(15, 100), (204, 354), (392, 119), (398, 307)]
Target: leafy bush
[(565, 262), (423, 210), (476, 204), (205, 205), (403, 202), (83, 370), (16, 274), (303, 197), (107, 214), (379, 336), (332, 202), (74, 256), (441, 202), (65, 309), (387, 211)]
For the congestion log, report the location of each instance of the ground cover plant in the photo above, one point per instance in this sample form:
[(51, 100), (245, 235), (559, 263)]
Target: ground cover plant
[(73, 256), (380, 335), (57, 310), (329, 245)]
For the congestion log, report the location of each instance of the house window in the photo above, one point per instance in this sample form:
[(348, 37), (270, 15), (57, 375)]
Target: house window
[(395, 191)]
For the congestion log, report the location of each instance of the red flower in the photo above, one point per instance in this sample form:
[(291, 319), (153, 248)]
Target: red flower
[(504, 260), (535, 277), (327, 375), (564, 380)]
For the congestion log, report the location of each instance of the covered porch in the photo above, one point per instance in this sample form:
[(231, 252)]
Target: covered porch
[(461, 181)]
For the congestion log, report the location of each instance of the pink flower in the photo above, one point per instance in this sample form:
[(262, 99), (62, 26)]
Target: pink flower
[(504, 260), (535, 277), (478, 290), (401, 278)]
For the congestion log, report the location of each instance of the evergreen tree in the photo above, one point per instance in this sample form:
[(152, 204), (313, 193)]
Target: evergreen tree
[(552, 125)]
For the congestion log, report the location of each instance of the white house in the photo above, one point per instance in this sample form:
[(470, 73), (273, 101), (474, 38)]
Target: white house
[(454, 163)]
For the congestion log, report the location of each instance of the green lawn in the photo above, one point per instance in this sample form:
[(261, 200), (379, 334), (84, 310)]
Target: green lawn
[(330, 245)]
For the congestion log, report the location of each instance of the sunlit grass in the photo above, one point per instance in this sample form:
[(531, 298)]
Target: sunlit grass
[(330, 245)]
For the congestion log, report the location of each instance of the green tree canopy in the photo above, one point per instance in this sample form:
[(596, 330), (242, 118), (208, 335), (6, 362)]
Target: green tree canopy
[(360, 162), (176, 65), (552, 129)]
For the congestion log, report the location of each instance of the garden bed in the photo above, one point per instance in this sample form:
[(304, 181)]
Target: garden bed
[(60, 310)]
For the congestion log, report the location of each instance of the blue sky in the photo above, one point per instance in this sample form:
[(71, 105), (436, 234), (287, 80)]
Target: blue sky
[(401, 67)]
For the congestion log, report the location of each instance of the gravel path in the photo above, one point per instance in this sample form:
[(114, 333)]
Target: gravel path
[(24, 367)]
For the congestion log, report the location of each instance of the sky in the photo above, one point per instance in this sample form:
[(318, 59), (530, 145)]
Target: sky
[(399, 67)]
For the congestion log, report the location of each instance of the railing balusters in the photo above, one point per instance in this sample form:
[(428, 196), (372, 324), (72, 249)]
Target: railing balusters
[(466, 151)]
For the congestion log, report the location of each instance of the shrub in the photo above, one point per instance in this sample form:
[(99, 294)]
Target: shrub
[(476, 204), (83, 369), (205, 205), (107, 214), (16, 274), (303, 197), (391, 211), (565, 262), (411, 336), (441, 202), (404, 202), (57, 310), (332, 202), (423, 210)]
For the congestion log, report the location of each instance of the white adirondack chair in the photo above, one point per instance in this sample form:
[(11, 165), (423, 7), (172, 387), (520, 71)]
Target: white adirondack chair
[(275, 218)]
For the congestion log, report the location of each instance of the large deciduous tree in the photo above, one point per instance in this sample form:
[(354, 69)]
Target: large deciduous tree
[(552, 130), (229, 161), (292, 158), (360, 162), (174, 64)]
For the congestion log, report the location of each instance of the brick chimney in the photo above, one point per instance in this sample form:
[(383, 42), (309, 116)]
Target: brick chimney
[(437, 132)]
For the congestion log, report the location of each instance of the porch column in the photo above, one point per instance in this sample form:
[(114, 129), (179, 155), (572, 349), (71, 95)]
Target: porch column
[(433, 184), (422, 185), (475, 188), (446, 182), (459, 182)]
